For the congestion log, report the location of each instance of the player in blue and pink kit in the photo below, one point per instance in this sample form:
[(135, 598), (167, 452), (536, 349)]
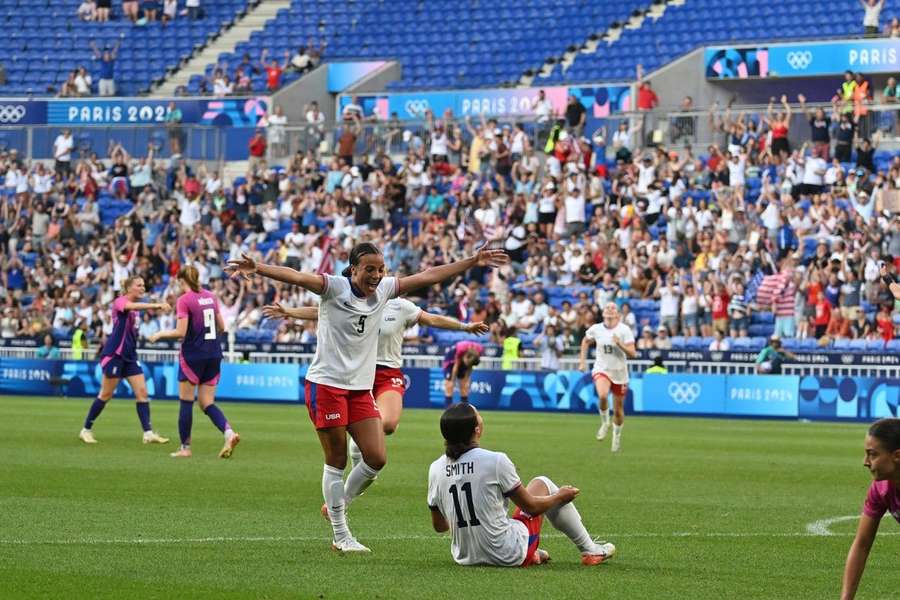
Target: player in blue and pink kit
[(883, 462), (119, 360), (199, 327)]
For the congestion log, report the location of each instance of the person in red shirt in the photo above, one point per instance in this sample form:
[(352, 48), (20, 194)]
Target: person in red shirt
[(822, 316), (884, 323), (273, 70), (257, 147), (719, 311), (647, 98)]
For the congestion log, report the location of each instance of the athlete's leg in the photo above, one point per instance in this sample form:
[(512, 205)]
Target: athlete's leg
[(207, 398), (567, 519), (369, 436), (448, 391), (390, 405), (142, 402), (618, 417), (186, 391), (334, 446), (107, 387), (602, 385), (464, 384)]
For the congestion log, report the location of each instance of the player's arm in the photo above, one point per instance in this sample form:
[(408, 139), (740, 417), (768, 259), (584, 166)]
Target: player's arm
[(172, 334), (484, 257), (628, 348), (148, 306), (304, 313), (585, 344), (538, 505), (859, 552), (247, 267), (441, 322), (438, 521)]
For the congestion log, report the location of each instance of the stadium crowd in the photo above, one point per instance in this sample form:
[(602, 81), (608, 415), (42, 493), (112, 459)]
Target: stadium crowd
[(687, 244)]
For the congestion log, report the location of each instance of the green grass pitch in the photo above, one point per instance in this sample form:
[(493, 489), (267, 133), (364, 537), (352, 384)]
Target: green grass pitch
[(697, 508)]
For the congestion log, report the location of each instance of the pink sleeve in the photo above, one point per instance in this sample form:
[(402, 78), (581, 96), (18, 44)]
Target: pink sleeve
[(181, 307), (875, 506), (120, 303)]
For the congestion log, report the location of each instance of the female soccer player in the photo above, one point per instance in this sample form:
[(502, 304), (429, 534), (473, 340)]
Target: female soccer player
[(399, 315), (340, 379), (119, 359), (468, 488), (458, 364), (615, 343), (199, 325), (883, 461)]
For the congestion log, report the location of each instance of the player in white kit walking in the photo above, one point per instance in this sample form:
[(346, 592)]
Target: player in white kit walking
[(399, 315), (340, 378), (615, 343), (469, 489)]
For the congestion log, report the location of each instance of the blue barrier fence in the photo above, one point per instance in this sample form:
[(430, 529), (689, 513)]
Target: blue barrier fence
[(809, 397)]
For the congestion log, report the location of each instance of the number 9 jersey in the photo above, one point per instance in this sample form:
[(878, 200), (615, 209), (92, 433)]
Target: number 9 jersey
[(472, 492), (610, 359), (201, 340), (347, 336)]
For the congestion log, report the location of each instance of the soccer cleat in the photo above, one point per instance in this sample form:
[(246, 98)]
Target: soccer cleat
[(541, 556), (601, 433), (616, 442), (601, 552), (228, 448), (182, 453), (349, 544), (151, 437), (87, 436)]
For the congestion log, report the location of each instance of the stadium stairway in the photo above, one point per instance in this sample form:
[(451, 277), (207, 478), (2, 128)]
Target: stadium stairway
[(255, 20)]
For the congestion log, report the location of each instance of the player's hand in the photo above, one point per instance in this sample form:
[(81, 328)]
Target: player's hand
[(154, 337), (490, 257), (582, 366), (479, 328), (244, 267), (274, 311), (163, 306), (567, 493), (616, 340)]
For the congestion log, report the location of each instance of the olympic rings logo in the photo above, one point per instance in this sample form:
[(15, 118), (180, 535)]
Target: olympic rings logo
[(11, 113), (799, 61), (684, 393), (416, 107)]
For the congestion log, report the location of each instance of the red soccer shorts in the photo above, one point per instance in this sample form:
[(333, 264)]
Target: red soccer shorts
[(388, 379), (336, 407), (618, 389), (534, 534)]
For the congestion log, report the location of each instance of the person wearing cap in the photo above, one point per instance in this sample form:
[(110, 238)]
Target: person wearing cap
[(663, 341), (576, 115), (770, 358)]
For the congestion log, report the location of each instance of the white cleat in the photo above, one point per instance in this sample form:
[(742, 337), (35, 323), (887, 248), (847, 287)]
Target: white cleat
[(349, 544), (182, 453), (601, 552), (228, 449), (616, 442), (541, 557), (601, 433), (151, 437), (87, 436)]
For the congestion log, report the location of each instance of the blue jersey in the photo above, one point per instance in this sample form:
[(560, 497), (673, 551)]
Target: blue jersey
[(122, 341), (201, 340)]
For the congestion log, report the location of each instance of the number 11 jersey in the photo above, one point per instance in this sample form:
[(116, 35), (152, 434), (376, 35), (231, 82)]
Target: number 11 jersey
[(472, 493), (201, 340), (347, 336)]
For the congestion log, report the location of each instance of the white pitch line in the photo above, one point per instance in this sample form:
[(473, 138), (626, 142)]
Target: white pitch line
[(821, 527), (279, 539)]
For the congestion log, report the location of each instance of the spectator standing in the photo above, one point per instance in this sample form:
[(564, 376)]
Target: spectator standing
[(274, 71), (276, 132), (83, 82), (169, 11), (193, 9), (87, 10), (872, 16), (174, 129), (130, 10), (820, 126), (103, 8), (257, 147), (62, 153), (575, 116), (347, 141), (107, 58), (551, 347)]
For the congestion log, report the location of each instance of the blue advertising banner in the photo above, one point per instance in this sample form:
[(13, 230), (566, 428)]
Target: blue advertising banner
[(683, 393), (761, 395), (807, 59), (23, 112), (848, 397)]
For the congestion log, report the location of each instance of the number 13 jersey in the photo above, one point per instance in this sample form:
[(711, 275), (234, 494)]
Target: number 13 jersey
[(347, 336), (472, 493), (610, 359)]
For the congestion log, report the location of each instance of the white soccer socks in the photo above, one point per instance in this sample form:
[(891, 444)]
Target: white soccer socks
[(355, 453), (333, 491), (604, 417), (358, 481), (567, 519)]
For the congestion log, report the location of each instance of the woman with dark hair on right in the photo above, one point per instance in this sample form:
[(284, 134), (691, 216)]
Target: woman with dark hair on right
[(468, 476), (340, 379), (883, 461)]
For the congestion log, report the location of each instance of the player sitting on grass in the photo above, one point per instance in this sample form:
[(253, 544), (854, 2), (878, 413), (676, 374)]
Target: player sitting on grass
[(883, 461), (468, 492)]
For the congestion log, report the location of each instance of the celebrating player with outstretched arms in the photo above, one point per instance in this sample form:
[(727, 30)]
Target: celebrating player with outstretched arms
[(615, 343), (469, 489), (340, 379)]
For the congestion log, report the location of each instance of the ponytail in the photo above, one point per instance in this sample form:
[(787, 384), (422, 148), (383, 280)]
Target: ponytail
[(191, 276)]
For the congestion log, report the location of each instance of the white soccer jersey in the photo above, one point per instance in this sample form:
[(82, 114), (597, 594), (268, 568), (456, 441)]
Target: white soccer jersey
[(399, 315), (610, 359), (348, 334), (471, 492)]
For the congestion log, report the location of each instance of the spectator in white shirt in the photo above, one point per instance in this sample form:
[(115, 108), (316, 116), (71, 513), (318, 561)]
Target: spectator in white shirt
[(720, 344)]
